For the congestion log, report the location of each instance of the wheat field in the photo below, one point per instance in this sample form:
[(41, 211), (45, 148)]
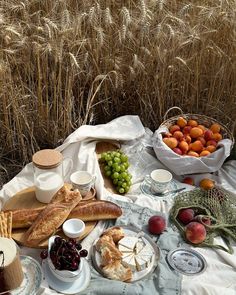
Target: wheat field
[(65, 63)]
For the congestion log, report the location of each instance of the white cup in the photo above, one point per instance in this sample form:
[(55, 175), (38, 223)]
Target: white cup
[(83, 181), (159, 180)]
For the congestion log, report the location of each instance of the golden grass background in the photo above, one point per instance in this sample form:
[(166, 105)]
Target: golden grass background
[(65, 63)]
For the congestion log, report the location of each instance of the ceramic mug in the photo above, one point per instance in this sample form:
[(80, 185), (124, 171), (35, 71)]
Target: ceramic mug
[(159, 180), (83, 181)]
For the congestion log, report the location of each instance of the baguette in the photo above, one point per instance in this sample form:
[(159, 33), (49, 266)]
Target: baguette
[(85, 210)]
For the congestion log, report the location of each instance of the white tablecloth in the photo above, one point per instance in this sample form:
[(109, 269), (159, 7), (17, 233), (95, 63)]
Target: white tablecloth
[(219, 277)]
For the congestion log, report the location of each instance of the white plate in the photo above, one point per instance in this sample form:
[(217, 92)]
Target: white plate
[(33, 276), (137, 275), (145, 188), (68, 288)]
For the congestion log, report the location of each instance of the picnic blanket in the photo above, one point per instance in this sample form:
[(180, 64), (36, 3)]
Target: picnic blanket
[(219, 277)]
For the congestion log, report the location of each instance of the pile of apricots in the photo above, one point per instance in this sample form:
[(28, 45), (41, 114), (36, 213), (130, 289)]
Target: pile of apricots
[(192, 139)]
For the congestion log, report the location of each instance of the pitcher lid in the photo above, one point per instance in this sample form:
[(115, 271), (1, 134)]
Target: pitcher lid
[(47, 158)]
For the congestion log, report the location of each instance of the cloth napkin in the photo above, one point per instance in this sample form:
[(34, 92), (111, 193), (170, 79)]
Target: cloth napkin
[(163, 281)]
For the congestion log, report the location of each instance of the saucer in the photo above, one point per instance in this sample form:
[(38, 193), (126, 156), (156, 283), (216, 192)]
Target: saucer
[(90, 195), (145, 188), (33, 276), (68, 288)]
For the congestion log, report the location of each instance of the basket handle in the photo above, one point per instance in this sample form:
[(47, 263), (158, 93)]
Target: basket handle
[(170, 109)]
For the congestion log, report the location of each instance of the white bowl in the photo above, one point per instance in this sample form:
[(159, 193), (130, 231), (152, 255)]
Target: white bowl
[(73, 228), (63, 275)]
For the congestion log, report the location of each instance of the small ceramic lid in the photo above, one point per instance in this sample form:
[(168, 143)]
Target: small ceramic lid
[(47, 159)]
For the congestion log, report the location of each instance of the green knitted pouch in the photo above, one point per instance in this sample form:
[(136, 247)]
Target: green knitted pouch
[(216, 204)]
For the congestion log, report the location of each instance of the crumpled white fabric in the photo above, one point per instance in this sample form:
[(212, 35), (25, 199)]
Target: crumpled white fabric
[(219, 277), (188, 165)]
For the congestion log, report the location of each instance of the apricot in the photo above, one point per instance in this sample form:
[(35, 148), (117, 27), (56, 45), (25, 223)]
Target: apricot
[(195, 232), (166, 134), (174, 128), (202, 139), (187, 138), (183, 146), (178, 151), (186, 129), (197, 146), (206, 184), (208, 134), (211, 142), (193, 154), (202, 127), (181, 122), (195, 132), (217, 136), (210, 148), (171, 142), (204, 153), (178, 135), (186, 215), (192, 123), (188, 180), (215, 128)]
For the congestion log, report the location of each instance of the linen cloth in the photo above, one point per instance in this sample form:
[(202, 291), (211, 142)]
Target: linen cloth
[(219, 277)]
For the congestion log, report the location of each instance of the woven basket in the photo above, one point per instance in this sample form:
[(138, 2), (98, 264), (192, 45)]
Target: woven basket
[(201, 119)]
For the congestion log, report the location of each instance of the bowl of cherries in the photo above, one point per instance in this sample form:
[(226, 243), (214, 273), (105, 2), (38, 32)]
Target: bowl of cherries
[(65, 258)]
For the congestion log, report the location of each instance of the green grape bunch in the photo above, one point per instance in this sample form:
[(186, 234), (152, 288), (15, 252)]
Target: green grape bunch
[(115, 165)]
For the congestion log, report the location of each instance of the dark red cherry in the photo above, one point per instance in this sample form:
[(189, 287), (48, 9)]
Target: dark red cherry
[(44, 254), (83, 253), (58, 241), (78, 246)]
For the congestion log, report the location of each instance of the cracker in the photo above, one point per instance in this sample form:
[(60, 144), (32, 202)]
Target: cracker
[(5, 224)]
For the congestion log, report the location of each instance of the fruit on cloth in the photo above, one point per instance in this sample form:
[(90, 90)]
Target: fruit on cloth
[(178, 151), (192, 123), (203, 220), (215, 128), (195, 232), (171, 142), (174, 128), (186, 215), (156, 224), (206, 184), (192, 138), (115, 166), (196, 132), (204, 153), (181, 122), (188, 180), (183, 145)]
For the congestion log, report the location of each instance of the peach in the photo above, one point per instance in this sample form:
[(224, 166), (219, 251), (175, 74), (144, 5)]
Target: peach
[(181, 122), (195, 232), (166, 134), (183, 146), (202, 139), (171, 142), (192, 123), (186, 129), (204, 153), (210, 148), (187, 138), (193, 154), (186, 215), (174, 128), (197, 146), (217, 136), (156, 224), (211, 142), (203, 220), (206, 184), (178, 151), (178, 135), (202, 127), (215, 128), (195, 132), (208, 134), (188, 180)]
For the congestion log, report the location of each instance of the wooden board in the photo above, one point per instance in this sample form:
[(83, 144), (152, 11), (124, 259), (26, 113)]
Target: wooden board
[(26, 199)]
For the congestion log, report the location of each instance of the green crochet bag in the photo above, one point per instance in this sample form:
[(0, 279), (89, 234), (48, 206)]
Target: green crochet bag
[(216, 204)]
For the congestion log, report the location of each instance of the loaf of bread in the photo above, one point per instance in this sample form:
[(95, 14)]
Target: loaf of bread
[(85, 210), (50, 219)]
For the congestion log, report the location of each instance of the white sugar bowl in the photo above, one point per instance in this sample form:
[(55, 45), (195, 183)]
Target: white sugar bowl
[(73, 228)]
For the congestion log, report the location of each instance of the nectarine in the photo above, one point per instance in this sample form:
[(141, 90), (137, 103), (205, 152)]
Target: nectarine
[(215, 128), (208, 134), (202, 127), (203, 141), (203, 220), (156, 224), (178, 135), (192, 123), (181, 122), (187, 138), (186, 215), (211, 148), (195, 232), (195, 132), (177, 151), (174, 128), (183, 146), (171, 142), (217, 136), (186, 129), (188, 180), (197, 146), (211, 142)]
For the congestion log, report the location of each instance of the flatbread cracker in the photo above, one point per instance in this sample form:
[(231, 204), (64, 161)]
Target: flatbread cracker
[(5, 224)]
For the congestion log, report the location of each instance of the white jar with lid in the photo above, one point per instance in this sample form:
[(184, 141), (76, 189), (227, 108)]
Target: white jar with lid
[(50, 170)]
